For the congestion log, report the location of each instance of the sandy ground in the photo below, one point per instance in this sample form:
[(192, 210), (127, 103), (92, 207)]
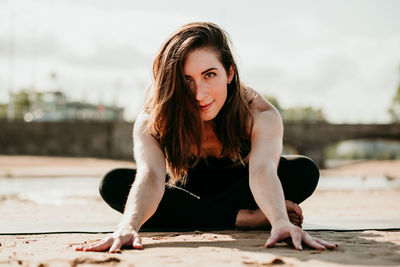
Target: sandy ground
[(233, 248), (372, 168), (85, 210), (32, 166)]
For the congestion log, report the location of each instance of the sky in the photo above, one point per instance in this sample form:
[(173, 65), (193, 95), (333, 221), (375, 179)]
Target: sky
[(342, 56)]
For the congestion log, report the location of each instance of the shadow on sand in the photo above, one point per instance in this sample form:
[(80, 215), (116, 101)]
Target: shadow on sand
[(371, 248)]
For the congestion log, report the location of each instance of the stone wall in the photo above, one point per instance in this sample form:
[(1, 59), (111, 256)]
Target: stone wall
[(75, 138), (114, 139)]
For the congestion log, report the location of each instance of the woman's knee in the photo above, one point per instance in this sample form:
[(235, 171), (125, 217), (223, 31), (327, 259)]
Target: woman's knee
[(299, 177), (300, 164), (106, 183), (309, 169), (116, 182)]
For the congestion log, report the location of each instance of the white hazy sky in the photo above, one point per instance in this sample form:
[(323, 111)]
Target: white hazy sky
[(341, 55)]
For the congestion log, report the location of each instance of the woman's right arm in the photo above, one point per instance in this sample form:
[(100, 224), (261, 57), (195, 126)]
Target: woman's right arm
[(145, 194)]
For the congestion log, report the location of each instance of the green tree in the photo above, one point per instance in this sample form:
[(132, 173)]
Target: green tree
[(274, 101), (307, 113), (22, 103)]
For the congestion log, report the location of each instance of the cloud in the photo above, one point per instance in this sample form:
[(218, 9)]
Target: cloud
[(338, 56), (345, 78), (109, 56)]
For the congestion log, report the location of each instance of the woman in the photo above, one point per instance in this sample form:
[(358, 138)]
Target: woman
[(221, 144)]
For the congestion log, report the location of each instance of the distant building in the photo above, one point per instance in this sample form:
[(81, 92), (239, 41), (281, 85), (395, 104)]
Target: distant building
[(3, 110), (31, 106), (86, 111)]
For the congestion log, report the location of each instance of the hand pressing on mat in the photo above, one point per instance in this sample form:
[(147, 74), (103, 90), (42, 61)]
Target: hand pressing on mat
[(123, 236), (288, 232)]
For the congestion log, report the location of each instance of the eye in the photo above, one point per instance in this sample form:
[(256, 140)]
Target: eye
[(210, 74)]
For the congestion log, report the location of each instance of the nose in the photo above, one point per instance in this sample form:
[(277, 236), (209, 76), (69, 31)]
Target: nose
[(201, 91)]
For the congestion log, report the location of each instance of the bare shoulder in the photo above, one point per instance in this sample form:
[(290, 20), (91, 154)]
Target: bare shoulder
[(267, 133), (265, 114), (268, 122), (256, 101), (147, 150), (141, 121), (140, 130)]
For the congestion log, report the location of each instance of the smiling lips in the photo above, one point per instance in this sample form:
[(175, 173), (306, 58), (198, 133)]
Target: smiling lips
[(205, 107)]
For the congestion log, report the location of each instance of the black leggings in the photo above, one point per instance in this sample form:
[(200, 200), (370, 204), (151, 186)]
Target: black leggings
[(212, 197)]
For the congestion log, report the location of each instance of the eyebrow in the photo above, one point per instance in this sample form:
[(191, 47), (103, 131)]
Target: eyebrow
[(207, 70)]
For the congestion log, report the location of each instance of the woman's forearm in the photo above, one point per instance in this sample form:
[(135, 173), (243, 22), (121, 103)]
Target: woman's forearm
[(268, 194), (143, 200)]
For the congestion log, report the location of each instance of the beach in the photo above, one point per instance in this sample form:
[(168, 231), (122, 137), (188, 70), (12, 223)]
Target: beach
[(48, 205)]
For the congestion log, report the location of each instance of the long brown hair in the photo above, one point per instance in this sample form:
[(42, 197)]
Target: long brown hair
[(174, 113)]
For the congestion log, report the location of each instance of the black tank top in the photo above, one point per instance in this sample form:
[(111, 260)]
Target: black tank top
[(211, 162)]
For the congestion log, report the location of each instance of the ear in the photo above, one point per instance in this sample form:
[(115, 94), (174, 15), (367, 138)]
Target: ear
[(231, 74)]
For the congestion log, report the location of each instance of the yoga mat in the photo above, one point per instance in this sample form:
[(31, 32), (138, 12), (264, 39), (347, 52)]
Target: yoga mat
[(107, 226)]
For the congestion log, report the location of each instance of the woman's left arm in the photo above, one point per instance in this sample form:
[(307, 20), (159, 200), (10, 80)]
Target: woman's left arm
[(266, 148)]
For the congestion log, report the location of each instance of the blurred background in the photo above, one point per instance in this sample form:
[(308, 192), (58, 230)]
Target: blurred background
[(73, 74)]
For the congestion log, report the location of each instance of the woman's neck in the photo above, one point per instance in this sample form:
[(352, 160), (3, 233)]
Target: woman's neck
[(208, 126), (210, 145)]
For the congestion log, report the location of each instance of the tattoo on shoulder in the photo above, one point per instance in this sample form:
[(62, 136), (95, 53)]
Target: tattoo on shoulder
[(250, 94)]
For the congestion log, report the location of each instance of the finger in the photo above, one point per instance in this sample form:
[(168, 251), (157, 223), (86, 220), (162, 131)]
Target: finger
[(296, 238), (335, 244), (309, 241), (95, 243), (326, 244), (99, 246), (116, 245), (272, 241), (137, 242), (80, 247)]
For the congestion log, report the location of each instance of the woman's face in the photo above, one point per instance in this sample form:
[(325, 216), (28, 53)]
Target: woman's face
[(208, 80)]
